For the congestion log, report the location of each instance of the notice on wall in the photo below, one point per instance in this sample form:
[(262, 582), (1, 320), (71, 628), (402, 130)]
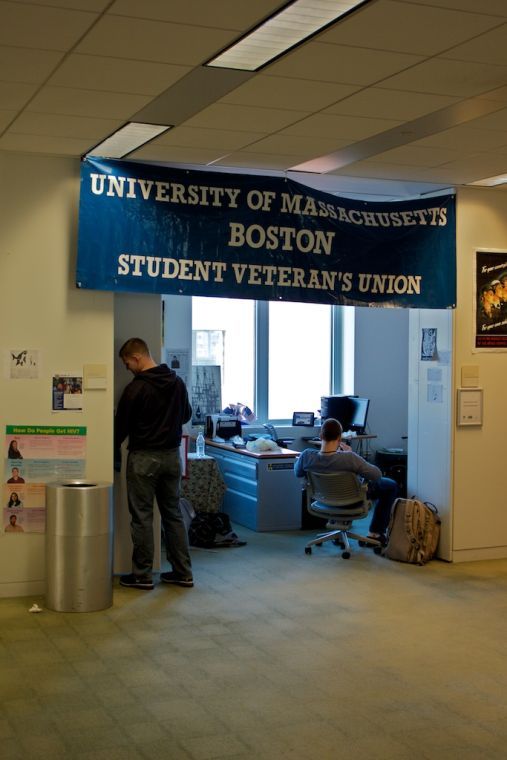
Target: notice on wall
[(22, 364), (67, 393), (178, 359), (33, 456), (490, 301)]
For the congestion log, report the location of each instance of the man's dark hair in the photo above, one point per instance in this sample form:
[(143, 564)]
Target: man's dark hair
[(134, 346), (331, 430)]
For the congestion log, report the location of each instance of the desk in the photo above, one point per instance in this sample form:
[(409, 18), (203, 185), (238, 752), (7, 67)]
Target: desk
[(362, 440), (262, 490), (205, 486)]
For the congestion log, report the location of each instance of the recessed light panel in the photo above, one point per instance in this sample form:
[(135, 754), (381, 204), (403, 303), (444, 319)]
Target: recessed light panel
[(281, 32), (127, 139)]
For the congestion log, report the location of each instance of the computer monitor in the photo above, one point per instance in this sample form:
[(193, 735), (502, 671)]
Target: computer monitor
[(359, 414), (338, 407)]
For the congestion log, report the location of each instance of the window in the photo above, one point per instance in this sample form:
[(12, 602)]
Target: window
[(276, 357), (223, 333), (299, 368)]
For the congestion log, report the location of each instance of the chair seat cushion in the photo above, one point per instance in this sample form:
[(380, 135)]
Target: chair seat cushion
[(353, 511)]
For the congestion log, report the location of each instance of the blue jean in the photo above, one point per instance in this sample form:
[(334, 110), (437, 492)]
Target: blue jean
[(156, 474), (384, 491)]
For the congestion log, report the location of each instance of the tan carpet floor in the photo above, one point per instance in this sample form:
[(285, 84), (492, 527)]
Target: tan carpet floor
[(273, 654)]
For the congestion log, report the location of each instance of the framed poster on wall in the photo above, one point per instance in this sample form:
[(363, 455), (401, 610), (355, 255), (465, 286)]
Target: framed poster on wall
[(490, 300)]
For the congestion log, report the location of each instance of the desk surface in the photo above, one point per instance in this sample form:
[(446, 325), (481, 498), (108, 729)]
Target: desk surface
[(315, 441), (280, 454), (345, 438)]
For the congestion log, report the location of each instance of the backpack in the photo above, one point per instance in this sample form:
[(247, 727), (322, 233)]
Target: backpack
[(212, 529), (413, 532)]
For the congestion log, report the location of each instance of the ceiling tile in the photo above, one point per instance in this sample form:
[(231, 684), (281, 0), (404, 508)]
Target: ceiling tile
[(416, 155), (15, 95), (465, 139), (497, 121), (445, 77), (222, 116), (295, 145), (383, 171), (27, 65), (481, 165), (487, 48), (30, 123), (108, 105), (390, 25), (97, 6), (42, 26), (137, 39), (117, 75), (331, 126), (283, 92), (54, 146), (194, 137), (233, 14), (339, 63), (6, 117), (391, 104), (492, 7)]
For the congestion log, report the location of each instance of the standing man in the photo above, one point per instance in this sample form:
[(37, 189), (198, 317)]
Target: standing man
[(151, 411), (334, 456)]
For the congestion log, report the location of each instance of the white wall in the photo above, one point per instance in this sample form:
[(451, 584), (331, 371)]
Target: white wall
[(480, 508), (430, 425), (381, 372), (41, 309)]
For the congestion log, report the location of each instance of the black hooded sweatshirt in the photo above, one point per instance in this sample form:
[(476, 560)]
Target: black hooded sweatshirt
[(152, 410)]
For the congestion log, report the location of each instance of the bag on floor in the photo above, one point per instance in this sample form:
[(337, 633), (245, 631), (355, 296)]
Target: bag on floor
[(212, 529), (413, 532), (187, 512)]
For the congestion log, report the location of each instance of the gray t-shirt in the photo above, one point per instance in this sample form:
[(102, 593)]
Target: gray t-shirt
[(316, 461)]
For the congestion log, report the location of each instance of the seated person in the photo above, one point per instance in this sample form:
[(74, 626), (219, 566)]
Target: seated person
[(334, 456)]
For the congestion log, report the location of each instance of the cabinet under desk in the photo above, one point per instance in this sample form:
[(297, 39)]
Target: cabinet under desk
[(263, 493)]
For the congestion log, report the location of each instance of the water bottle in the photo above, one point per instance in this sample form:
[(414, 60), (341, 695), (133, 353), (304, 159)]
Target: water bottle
[(199, 445)]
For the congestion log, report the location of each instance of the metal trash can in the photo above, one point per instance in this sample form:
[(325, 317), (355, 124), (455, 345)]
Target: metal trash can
[(79, 546)]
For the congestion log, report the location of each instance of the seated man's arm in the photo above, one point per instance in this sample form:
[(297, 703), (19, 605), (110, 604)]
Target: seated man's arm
[(363, 468), (301, 464)]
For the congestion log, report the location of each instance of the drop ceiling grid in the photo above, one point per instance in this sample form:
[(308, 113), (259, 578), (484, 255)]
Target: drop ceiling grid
[(337, 89)]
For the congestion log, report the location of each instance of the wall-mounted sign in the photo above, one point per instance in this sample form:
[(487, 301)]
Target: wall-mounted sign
[(154, 229), (490, 301), (469, 406)]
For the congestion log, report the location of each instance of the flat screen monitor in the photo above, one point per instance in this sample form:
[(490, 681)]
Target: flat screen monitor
[(338, 407), (359, 414)]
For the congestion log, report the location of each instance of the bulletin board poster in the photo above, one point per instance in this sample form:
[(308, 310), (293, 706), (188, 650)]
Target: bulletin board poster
[(490, 300), (33, 456)]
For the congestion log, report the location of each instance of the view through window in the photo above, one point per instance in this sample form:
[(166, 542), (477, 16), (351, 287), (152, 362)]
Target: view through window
[(298, 371)]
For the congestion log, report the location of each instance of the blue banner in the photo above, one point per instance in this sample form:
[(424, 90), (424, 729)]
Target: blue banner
[(153, 229)]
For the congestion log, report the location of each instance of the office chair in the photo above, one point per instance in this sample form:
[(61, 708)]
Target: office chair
[(341, 498), (282, 442)]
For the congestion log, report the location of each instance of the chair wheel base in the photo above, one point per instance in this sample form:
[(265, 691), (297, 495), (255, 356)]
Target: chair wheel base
[(346, 555)]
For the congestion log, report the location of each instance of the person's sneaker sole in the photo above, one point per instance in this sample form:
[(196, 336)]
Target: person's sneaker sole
[(185, 582), (129, 581)]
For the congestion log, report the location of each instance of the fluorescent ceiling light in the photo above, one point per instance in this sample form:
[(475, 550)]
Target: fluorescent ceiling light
[(500, 179), (279, 33), (128, 138)]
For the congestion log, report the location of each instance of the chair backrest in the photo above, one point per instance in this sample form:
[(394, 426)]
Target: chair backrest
[(336, 489)]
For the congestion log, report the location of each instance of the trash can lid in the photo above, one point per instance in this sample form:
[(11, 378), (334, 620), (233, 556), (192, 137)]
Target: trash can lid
[(78, 484)]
